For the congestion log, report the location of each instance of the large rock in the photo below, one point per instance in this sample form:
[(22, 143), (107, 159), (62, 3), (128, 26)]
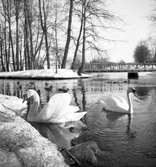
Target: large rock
[(89, 154), (22, 145), (87, 151)]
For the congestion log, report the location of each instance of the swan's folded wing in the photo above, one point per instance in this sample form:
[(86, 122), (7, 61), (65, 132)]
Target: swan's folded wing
[(114, 103), (68, 110), (56, 104), (121, 102), (70, 117)]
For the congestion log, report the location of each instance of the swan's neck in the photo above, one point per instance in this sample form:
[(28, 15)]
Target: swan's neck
[(129, 97), (33, 107)]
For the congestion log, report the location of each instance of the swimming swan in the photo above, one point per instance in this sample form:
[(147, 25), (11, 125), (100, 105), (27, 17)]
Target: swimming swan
[(119, 104), (57, 110)]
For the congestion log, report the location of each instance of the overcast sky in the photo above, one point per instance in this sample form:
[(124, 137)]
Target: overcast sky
[(137, 27)]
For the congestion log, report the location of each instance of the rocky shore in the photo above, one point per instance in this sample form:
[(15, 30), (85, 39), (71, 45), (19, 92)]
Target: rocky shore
[(22, 145)]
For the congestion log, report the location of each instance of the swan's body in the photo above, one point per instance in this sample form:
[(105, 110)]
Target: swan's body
[(119, 104), (57, 110)]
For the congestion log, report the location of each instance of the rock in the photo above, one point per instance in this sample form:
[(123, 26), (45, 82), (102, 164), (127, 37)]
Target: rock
[(87, 151), (13, 104), (9, 159), (89, 154), (22, 145), (75, 127)]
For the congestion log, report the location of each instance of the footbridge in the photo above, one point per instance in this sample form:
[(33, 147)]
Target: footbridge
[(118, 67)]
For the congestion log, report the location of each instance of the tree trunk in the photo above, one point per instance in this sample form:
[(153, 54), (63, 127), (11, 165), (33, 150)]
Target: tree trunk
[(68, 35), (31, 40), (44, 29), (12, 47), (1, 53), (17, 37), (56, 41), (27, 44), (5, 47), (84, 43), (10, 38), (26, 36), (78, 40), (81, 69), (47, 50)]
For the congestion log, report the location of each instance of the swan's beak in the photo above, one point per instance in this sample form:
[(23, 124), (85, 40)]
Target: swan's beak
[(134, 90), (135, 94)]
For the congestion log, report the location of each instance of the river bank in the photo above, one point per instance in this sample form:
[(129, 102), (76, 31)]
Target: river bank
[(43, 74), (22, 145)]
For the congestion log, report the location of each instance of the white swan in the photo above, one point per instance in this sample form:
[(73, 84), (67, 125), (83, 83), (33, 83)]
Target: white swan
[(57, 110), (119, 104)]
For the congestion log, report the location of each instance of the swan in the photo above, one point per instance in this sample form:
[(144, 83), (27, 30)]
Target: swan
[(119, 104), (57, 110)]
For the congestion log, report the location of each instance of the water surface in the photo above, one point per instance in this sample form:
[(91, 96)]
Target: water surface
[(130, 142)]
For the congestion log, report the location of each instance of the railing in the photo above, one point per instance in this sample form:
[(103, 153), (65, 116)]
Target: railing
[(114, 67)]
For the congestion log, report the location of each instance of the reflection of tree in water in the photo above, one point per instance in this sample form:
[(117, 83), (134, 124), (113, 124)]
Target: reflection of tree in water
[(8, 92), (3, 87), (83, 91), (97, 86), (18, 90), (31, 85), (75, 98), (83, 97), (48, 90), (142, 92)]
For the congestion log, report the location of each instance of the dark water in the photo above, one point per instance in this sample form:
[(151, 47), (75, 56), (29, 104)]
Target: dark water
[(130, 142)]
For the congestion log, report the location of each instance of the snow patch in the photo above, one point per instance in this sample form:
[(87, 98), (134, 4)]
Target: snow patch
[(50, 73)]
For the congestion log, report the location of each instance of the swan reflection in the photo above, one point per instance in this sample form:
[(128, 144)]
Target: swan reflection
[(60, 135)]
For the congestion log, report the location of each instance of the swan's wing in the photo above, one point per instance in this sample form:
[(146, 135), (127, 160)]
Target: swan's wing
[(68, 110), (56, 105), (114, 103), (121, 102)]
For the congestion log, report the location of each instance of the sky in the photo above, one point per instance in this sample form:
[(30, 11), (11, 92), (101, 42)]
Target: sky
[(137, 27)]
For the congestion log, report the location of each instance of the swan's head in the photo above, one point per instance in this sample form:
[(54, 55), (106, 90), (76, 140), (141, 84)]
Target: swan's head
[(33, 100), (31, 94), (131, 90)]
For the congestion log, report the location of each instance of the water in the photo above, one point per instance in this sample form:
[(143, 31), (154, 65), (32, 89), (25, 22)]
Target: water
[(130, 142)]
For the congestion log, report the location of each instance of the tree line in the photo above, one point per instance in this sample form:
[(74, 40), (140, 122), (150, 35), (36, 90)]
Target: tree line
[(39, 33), (145, 52)]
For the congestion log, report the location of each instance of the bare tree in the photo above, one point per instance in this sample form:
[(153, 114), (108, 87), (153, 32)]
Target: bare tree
[(1, 49), (56, 37), (6, 43), (17, 8), (43, 20), (66, 49), (80, 14), (92, 16)]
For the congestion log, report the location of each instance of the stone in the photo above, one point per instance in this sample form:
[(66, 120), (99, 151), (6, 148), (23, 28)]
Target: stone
[(87, 151), (22, 145)]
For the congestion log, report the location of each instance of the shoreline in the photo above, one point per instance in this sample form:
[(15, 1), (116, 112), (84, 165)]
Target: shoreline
[(62, 74)]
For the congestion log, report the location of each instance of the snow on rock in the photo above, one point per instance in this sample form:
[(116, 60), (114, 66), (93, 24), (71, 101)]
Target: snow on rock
[(22, 145), (13, 103), (50, 73)]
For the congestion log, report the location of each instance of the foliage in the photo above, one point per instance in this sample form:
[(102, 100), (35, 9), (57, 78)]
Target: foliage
[(141, 53)]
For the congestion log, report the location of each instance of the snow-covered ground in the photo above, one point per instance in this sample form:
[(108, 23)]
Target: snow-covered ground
[(50, 73)]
